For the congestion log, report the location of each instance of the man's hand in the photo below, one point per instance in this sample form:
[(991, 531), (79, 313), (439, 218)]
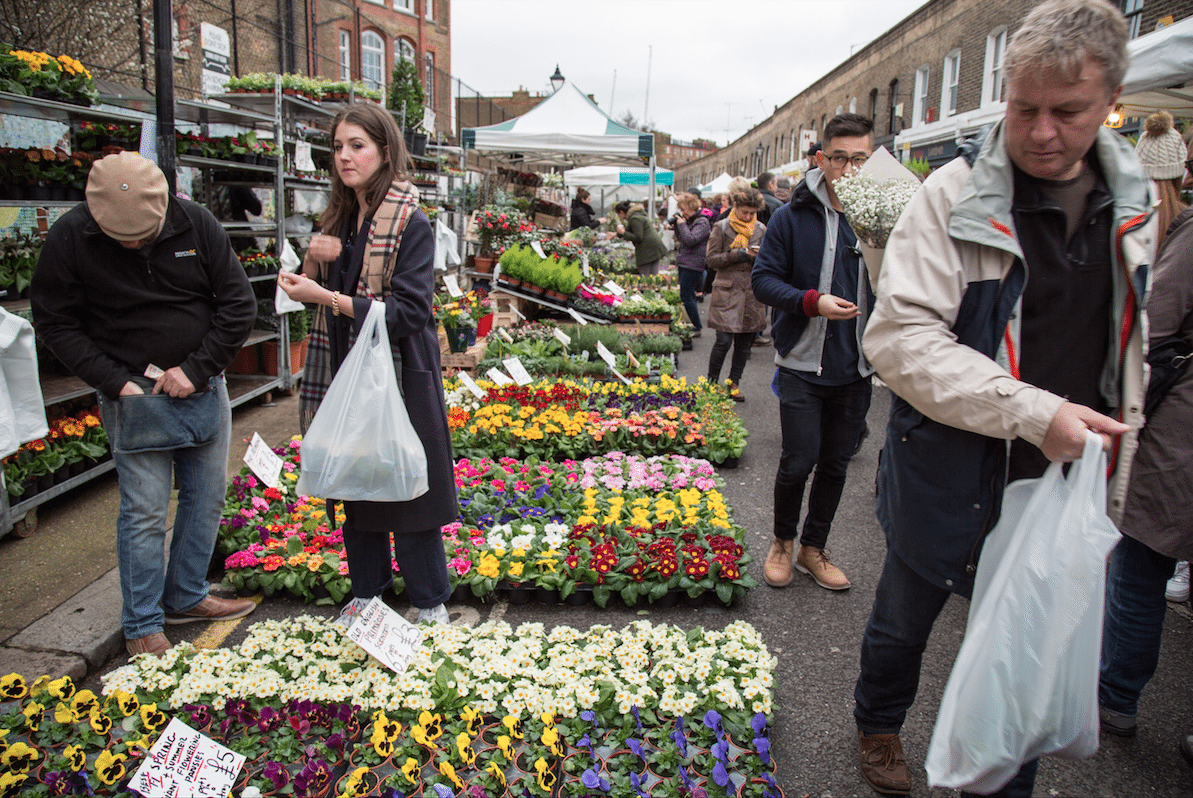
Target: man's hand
[(836, 308), (131, 389), (1065, 440), (175, 383)]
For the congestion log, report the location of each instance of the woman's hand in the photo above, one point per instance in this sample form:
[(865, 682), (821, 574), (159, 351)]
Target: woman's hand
[(324, 249), (301, 288)]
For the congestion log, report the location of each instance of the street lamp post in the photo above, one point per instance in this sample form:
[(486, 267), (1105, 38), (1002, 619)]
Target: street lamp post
[(758, 159), (557, 79)]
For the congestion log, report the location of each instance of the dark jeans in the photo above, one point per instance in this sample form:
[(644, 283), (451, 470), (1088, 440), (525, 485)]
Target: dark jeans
[(741, 343), (1133, 624), (420, 560), (690, 281), (821, 425), (905, 608), (709, 276)]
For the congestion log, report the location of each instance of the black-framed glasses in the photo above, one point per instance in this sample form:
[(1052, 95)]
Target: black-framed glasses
[(839, 161)]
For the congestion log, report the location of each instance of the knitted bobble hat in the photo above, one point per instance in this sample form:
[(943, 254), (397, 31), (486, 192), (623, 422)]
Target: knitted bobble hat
[(1161, 149)]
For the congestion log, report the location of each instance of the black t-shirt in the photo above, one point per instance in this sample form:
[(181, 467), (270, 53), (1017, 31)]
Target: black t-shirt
[(1065, 321)]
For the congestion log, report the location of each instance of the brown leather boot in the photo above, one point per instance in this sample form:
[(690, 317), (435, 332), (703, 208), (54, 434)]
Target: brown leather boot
[(777, 569), (155, 644), (814, 562), (882, 764)]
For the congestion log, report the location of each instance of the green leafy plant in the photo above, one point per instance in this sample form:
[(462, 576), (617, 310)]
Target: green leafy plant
[(406, 96)]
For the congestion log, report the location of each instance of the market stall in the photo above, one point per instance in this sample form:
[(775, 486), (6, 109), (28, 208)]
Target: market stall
[(1161, 73)]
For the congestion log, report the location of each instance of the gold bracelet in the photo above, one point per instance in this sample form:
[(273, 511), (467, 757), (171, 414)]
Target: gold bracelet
[(335, 303)]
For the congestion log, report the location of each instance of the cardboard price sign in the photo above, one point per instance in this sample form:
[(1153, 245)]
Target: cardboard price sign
[(263, 462), (386, 635), (184, 762)]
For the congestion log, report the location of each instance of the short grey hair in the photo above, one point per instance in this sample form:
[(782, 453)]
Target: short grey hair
[(1060, 35)]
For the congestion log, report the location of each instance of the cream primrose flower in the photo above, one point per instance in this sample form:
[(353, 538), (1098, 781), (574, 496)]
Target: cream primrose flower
[(873, 207), (495, 669)]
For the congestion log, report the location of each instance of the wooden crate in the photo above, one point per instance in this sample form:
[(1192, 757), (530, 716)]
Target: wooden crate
[(503, 315), (463, 361)]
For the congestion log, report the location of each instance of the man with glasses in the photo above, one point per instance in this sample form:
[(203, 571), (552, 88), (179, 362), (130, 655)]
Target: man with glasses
[(810, 270)]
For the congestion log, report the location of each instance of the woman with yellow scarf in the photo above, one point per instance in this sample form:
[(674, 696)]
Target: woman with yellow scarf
[(735, 314)]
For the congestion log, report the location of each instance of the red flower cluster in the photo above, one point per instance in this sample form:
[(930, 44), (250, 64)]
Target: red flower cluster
[(519, 395)]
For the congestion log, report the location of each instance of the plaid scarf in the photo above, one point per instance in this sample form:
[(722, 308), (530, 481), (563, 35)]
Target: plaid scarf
[(380, 259)]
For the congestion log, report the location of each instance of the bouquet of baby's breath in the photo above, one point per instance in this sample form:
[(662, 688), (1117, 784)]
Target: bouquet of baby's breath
[(873, 206)]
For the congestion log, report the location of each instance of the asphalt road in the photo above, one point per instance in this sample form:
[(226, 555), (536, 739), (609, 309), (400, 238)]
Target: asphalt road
[(814, 633)]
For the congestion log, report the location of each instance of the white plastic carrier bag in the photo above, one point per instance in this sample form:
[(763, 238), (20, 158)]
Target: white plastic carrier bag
[(1025, 682), (361, 445)]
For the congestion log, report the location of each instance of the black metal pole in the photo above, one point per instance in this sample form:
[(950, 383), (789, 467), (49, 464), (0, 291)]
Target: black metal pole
[(163, 51)]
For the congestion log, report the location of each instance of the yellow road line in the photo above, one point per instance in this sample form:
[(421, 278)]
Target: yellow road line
[(217, 632)]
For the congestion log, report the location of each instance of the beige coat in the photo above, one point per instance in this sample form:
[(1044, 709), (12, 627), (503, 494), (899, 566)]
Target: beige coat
[(734, 308)]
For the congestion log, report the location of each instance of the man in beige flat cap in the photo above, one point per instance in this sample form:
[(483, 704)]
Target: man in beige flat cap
[(141, 296)]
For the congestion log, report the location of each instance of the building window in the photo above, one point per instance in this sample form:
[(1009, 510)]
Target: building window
[(1133, 11), (429, 83), (873, 106), (919, 111), (430, 4), (403, 51), (372, 55), (345, 55), (950, 81), (853, 105), (893, 123), (404, 5), (992, 82)]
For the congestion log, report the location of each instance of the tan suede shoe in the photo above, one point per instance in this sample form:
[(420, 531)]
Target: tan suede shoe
[(880, 757), (814, 562), (777, 569), (214, 608)]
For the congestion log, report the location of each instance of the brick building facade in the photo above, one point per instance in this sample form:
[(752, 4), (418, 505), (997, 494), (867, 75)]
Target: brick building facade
[(928, 83)]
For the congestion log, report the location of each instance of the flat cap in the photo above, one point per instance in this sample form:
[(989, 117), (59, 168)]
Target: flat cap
[(127, 196)]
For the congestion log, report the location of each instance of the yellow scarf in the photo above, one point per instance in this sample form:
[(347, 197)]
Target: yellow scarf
[(744, 230)]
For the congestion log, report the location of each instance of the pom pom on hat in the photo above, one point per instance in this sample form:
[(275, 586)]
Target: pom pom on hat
[(1161, 149), (127, 196)]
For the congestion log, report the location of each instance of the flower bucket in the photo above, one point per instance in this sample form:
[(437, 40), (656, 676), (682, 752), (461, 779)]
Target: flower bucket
[(485, 325), (457, 339)]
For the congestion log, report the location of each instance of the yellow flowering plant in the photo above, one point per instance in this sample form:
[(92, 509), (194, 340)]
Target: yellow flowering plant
[(37, 74)]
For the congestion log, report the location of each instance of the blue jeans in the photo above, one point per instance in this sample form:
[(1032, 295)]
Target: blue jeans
[(1133, 624), (149, 586), (905, 608), (821, 425), (690, 281), (419, 555)]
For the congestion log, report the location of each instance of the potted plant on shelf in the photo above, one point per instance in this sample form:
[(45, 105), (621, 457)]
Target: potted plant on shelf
[(405, 100)]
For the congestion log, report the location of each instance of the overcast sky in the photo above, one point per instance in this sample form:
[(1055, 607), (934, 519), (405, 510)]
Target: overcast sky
[(716, 68)]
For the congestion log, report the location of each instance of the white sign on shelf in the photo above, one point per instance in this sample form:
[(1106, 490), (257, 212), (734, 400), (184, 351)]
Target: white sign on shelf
[(538, 249), (217, 50), (452, 285), (579, 319), (606, 355), (587, 272), (263, 462), (633, 360), (562, 337), (186, 762), (505, 336), (495, 375), (386, 635), (496, 272), (514, 366), (302, 157), (470, 384), (613, 288), (619, 375)]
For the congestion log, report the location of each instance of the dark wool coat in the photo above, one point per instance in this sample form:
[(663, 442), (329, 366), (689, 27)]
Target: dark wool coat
[(412, 333)]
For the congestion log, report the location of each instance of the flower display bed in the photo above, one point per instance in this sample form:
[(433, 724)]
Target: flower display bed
[(652, 530), (491, 711)]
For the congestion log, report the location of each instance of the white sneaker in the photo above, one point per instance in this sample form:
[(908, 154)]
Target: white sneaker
[(1178, 585), (434, 615), (350, 611)]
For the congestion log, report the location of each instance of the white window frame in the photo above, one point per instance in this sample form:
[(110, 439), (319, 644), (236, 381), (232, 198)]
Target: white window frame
[(919, 108), (429, 73), (853, 105), (993, 74), (401, 44), (1133, 11), (430, 10), (345, 55), (950, 83), (405, 6), (368, 50)]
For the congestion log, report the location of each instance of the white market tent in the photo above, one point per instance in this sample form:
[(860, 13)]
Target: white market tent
[(1161, 73), (615, 176), (719, 184), (566, 129)]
